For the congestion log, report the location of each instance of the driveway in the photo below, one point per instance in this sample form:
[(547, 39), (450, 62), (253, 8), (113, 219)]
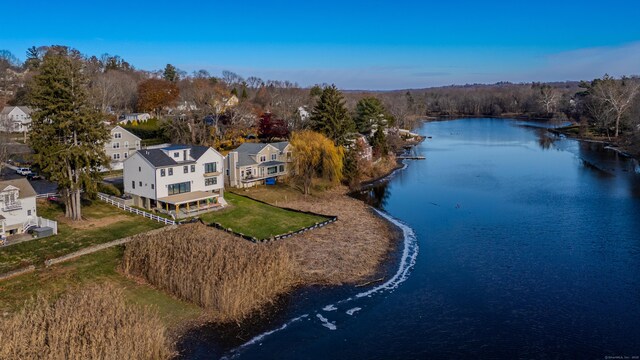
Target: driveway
[(40, 186)]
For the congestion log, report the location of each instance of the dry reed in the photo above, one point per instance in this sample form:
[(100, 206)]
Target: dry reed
[(234, 278), (92, 323), (215, 270)]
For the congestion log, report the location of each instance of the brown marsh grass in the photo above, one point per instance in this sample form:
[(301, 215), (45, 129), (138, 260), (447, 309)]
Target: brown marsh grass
[(90, 323), (227, 275), (233, 277)]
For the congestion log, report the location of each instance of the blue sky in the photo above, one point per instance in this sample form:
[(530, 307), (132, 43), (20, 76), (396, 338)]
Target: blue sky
[(354, 44)]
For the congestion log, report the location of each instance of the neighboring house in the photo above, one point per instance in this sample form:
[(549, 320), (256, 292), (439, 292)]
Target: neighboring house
[(138, 117), (225, 103), (360, 143), (17, 207), (253, 163), (186, 106), (183, 180), (122, 145), (408, 135), (15, 119)]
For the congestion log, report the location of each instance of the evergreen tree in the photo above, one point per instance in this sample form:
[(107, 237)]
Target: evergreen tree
[(170, 73), (234, 92), (370, 115), (330, 116), (67, 135), (315, 91), (379, 143), (33, 58), (244, 95)]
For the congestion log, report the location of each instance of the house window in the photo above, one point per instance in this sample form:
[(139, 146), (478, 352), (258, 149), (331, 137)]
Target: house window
[(170, 171), (162, 172), (176, 154), (28, 212), (140, 183), (116, 156), (179, 188), (272, 170), (139, 168), (227, 172), (288, 155), (193, 168), (152, 187), (210, 181), (274, 156), (133, 184), (117, 135), (185, 169), (126, 144), (281, 168), (126, 155), (115, 145), (210, 167), (137, 144), (263, 158)]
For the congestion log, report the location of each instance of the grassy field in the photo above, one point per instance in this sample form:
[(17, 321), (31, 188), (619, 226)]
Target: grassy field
[(259, 220), (103, 223), (90, 269)]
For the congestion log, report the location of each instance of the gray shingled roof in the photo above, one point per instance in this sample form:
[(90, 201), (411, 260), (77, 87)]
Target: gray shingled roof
[(197, 151), (158, 158), (244, 159), (280, 145), (247, 149), (7, 109), (26, 190), (250, 148)]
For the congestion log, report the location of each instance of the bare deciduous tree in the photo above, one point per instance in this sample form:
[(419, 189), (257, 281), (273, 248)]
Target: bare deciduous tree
[(613, 98), (548, 98), (114, 90)]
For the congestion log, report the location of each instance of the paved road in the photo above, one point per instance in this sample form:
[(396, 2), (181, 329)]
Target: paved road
[(40, 186)]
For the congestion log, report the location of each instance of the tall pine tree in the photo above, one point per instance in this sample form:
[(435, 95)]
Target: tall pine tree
[(170, 73), (330, 116), (371, 115), (67, 135)]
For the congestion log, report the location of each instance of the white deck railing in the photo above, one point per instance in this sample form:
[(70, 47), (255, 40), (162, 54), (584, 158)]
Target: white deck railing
[(130, 209)]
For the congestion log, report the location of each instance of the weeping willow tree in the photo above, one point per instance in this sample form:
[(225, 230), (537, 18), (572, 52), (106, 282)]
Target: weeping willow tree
[(67, 135), (315, 156)]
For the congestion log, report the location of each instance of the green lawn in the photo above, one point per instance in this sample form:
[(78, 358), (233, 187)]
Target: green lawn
[(70, 238), (93, 268), (259, 220)]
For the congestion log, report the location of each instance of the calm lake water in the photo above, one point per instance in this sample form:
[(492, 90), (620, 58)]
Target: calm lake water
[(529, 247)]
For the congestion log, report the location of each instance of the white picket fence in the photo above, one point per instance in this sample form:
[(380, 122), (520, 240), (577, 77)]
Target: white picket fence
[(47, 195), (130, 209)]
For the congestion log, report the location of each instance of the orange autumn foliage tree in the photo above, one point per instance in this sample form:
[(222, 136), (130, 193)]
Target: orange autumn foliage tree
[(154, 94)]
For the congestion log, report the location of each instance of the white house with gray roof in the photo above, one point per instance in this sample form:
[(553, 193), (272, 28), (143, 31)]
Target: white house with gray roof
[(15, 119), (182, 180), (254, 163)]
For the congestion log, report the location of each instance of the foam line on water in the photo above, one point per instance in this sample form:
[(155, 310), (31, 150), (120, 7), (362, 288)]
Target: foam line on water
[(259, 338), (331, 325), (353, 311), (407, 261)]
